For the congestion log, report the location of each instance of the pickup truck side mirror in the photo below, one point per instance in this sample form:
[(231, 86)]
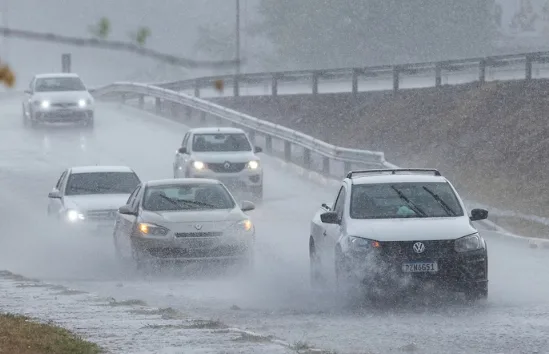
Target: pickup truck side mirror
[(182, 150), (329, 217), (478, 214), (54, 195)]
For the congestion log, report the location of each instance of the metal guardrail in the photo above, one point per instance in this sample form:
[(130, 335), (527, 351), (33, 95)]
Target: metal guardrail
[(183, 106), (437, 69)]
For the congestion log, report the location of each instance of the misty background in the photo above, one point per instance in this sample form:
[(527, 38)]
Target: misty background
[(275, 34)]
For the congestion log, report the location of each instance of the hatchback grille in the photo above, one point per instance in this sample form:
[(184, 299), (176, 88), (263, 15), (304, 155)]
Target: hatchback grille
[(101, 214), (198, 234), (226, 167)]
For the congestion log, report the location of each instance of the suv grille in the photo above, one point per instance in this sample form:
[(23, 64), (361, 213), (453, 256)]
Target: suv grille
[(198, 234), (101, 214), (222, 168)]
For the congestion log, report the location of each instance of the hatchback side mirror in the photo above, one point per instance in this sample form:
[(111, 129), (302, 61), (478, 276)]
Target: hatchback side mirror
[(126, 210), (54, 195), (478, 214), (257, 149), (182, 150), (247, 206), (329, 217)]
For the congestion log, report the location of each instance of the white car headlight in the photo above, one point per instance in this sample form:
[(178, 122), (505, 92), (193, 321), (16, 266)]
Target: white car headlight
[(152, 229), (253, 165), (74, 215), (469, 243), (45, 104), (199, 165), (82, 103), (243, 226)]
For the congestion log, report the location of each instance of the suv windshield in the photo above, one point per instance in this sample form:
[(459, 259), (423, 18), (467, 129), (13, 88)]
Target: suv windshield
[(101, 183), (404, 200), (59, 84), (179, 197), (221, 142)]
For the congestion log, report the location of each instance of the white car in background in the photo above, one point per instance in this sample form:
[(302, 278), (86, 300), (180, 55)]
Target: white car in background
[(184, 220), (225, 154), (58, 98), (87, 198)]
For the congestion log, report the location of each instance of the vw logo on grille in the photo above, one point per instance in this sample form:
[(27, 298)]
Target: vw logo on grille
[(227, 165), (198, 226), (419, 247)]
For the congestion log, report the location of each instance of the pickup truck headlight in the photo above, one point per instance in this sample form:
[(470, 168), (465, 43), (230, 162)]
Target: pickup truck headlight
[(199, 165), (152, 229), (362, 244), (73, 215), (253, 165), (469, 243)]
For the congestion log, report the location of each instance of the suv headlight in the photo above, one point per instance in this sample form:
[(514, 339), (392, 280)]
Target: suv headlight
[(199, 165), (253, 165), (73, 215), (469, 243), (362, 244), (152, 229)]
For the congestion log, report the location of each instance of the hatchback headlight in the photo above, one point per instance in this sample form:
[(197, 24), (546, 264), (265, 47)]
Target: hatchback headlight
[(74, 215), (243, 226), (253, 165), (469, 243), (362, 244), (152, 229)]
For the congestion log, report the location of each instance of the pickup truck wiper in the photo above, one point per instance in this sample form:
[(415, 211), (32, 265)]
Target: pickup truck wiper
[(441, 202), (412, 205)]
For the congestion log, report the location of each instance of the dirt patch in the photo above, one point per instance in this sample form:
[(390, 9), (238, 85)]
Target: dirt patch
[(21, 335), (492, 141)]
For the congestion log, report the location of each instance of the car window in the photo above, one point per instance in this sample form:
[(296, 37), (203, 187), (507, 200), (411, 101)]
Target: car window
[(133, 195), (101, 183), (404, 200), (59, 84), (185, 140), (221, 142), (181, 197), (136, 198)]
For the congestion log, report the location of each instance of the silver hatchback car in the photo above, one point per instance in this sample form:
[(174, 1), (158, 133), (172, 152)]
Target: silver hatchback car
[(184, 220)]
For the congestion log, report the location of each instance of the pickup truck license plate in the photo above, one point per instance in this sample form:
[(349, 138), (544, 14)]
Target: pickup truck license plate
[(420, 267)]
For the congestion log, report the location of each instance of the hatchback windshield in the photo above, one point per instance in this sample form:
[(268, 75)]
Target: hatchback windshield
[(221, 142), (101, 183), (59, 84), (404, 200), (180, 197)]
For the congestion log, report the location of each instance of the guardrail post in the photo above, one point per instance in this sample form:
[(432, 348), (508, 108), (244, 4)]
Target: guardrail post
[(482, 71), (123, 98), (315, 83), (396, 81), (236, 86), (197, 88), (438, 75), (355, 82), (174, 109), (189, 113), (251, 135), (269, 144), (203, 117), (528, 73), (307, 158), (158, 105), (274, 85), (326, 166), (287, 151), (141, 101)]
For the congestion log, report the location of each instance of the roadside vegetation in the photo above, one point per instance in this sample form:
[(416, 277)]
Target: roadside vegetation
[(22, 335)]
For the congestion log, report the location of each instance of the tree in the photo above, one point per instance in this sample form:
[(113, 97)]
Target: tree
[(326, 33), (100, 33)]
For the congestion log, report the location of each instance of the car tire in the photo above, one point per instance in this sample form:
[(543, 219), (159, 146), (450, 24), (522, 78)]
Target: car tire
[(315, 267), (477, 292)]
